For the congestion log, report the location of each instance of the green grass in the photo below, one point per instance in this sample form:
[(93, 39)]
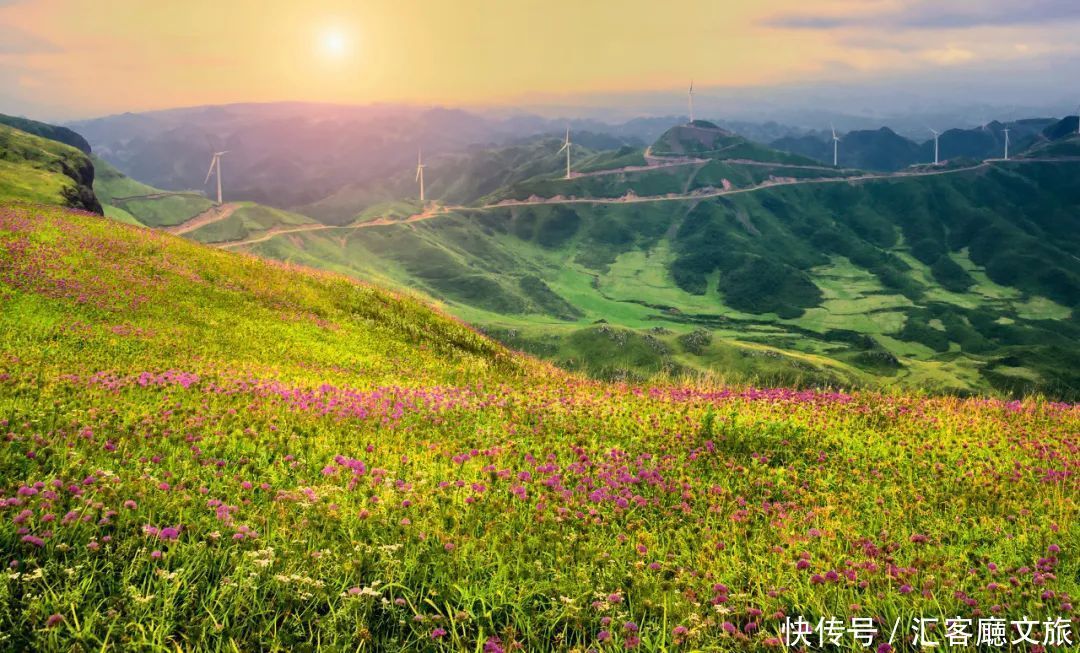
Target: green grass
[(149, 206), (206, 451)]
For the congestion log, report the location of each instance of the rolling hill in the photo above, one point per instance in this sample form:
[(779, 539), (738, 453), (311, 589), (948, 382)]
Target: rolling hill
[(961, 279)]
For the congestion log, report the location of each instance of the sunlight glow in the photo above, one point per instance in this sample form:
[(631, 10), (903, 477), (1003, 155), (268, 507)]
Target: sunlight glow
[(334, 44)]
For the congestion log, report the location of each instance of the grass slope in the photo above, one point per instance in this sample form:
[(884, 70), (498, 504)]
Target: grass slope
[(208, 451), (126, 198), (42, 170)]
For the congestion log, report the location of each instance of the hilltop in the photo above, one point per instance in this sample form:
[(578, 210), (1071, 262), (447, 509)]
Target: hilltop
[(38, 169), (705, 139)]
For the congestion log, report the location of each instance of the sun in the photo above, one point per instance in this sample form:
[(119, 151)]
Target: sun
[(334, 43)]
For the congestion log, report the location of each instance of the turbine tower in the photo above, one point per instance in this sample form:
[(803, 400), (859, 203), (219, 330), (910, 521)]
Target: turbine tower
[(835, 148), (936, 133), (215, 165), (566, 146), (420, 171), (690, 100), (1006, 144)]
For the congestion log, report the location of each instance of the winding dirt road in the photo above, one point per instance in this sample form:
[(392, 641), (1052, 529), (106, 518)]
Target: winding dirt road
[(431, 211), (211, 215)]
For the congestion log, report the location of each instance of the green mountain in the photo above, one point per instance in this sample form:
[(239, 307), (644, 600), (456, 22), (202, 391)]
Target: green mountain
[(703, 138), (962, 279), (885, 150), (38, 169), (880, 149), (1064, 128)]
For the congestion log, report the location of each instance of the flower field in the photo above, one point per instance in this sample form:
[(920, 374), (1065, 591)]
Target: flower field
[(206, 451)]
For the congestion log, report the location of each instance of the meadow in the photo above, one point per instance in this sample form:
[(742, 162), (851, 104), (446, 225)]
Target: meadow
[(207, 451)]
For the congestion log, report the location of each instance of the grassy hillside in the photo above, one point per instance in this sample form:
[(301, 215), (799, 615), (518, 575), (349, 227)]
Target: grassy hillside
[(206, 451), (965, 282), (124, 198), (37, 169)]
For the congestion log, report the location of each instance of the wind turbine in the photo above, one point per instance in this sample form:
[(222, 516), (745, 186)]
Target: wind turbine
[(936, 133), (1006, 144), (566, 146), (690, 100), (835, 148), (420, 171), (1078, 120), (215, 164)]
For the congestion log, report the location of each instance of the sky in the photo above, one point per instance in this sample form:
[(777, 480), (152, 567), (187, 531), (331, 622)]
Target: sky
[(82, 58)]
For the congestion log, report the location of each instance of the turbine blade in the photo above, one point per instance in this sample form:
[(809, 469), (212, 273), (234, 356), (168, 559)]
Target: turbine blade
[(213, 163)]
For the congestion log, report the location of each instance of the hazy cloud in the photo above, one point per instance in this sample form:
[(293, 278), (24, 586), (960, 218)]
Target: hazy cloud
[(958, 14), (17, 41)]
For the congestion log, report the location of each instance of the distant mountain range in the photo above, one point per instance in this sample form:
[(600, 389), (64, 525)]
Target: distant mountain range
[(885, 150)]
